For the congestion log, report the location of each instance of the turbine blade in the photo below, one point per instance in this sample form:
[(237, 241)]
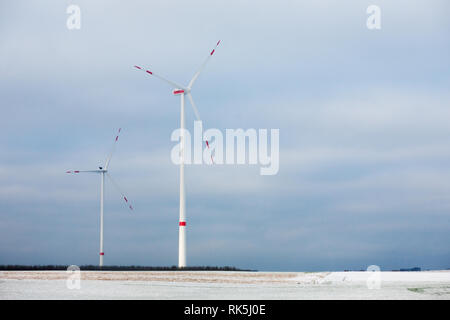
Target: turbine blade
[(191, 83), (173, 84), (197, 115), (112, 149), (120, 191), (81, 171)]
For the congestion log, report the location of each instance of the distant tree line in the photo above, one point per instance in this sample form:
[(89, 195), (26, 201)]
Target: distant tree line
[(402, 269), (409, 269), (12, 267)]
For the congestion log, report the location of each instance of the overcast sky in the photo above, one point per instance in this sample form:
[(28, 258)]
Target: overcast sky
[(364, 133)]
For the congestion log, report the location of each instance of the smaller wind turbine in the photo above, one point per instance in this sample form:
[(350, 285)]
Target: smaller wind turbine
[(104, 170)]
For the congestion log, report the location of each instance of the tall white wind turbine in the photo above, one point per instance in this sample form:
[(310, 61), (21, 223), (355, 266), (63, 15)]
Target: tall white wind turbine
[(104, 171), (182, 91)]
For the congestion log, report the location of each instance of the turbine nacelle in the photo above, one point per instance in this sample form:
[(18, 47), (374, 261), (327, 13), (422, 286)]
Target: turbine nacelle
[(180, 91)]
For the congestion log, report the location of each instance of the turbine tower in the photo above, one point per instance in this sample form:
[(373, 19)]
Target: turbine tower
[(104, 171), (183, 91)]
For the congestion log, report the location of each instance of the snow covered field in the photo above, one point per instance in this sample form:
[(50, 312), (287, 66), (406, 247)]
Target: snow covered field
[(225, 285)]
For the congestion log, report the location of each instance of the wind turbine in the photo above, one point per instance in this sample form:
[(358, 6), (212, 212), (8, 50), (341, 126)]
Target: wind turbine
[(182, 91), (104, 171)]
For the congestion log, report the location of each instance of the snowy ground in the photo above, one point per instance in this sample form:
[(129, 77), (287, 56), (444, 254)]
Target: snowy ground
[(225, 285)]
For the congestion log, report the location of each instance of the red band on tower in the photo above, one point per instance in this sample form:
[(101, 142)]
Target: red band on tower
[(182, 223)]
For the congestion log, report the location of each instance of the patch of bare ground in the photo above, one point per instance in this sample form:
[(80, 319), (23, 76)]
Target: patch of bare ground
[(169, 276)]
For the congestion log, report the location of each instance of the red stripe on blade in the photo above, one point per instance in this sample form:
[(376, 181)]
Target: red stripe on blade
[(138, 67), (148, 71), (102, 253), (212, 52), (182, 223)]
